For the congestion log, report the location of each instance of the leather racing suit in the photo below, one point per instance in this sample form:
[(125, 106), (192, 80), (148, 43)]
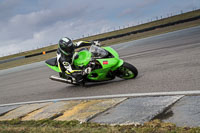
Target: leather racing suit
[(65, 63)]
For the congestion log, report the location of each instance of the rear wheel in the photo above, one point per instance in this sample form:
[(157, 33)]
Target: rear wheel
[(127, 71)]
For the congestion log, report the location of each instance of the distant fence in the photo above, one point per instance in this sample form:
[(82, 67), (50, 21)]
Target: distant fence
[(12, 59), (149, 29), (111, 37), (27, 56), (40, 53)]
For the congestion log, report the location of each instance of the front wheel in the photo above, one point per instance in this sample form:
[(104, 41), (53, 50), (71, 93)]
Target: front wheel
[(127, 71)]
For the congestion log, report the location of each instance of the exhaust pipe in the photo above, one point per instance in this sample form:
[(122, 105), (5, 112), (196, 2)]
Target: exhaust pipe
[(59, 79)]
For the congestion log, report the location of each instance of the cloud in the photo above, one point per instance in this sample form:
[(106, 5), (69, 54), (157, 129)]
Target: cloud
[(126, 12), (51, 34), (46, 26), (137, 7), (48, 16), (25, 25), (7, 7)]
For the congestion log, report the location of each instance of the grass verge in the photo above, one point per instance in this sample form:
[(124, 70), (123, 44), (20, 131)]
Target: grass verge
[(51, 126)]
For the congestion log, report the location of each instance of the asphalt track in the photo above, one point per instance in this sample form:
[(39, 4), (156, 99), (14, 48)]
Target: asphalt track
[(166, 63)]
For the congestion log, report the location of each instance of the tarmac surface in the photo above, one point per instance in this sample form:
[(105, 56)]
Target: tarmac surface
[(166, 63), (136, 110), (186, 112)]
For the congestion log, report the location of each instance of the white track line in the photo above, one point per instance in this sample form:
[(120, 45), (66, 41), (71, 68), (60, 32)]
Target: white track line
[(186, 93)]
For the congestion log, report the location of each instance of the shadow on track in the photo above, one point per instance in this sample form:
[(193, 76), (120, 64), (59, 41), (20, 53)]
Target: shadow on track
[(102, 83)]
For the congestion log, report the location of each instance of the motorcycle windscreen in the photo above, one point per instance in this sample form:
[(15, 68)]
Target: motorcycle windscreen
[(98, 51)]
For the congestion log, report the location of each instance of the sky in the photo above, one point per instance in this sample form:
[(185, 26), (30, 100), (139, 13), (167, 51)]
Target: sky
[(31, 24)]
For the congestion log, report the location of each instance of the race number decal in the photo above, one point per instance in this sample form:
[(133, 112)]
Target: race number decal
[(105, 62)]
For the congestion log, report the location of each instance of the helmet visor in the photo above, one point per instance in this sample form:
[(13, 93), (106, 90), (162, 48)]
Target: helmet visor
[(67, 50)]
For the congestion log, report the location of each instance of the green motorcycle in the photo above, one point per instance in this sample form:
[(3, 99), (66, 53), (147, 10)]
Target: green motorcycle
[(104, 62)]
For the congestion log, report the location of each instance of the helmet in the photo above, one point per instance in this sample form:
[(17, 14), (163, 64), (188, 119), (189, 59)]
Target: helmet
[(66, 46)]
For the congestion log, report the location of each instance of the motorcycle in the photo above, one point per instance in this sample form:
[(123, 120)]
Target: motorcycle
[(104, 64)]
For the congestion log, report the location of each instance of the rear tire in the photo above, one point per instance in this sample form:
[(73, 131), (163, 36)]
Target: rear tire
[(127, 71)]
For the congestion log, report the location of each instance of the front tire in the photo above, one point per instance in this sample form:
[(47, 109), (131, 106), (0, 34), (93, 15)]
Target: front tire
[(127, 71)]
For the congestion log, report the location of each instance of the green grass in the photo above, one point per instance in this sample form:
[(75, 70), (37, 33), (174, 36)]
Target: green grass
[(51, 126)]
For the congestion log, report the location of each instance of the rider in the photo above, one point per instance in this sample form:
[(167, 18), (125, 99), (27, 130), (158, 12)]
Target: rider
[(65, 53)]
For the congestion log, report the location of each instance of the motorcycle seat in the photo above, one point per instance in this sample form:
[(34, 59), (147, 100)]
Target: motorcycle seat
[(52, 62)]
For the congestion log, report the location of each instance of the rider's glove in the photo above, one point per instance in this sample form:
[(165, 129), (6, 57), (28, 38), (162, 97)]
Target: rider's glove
[(87, 70), (97, 43)]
